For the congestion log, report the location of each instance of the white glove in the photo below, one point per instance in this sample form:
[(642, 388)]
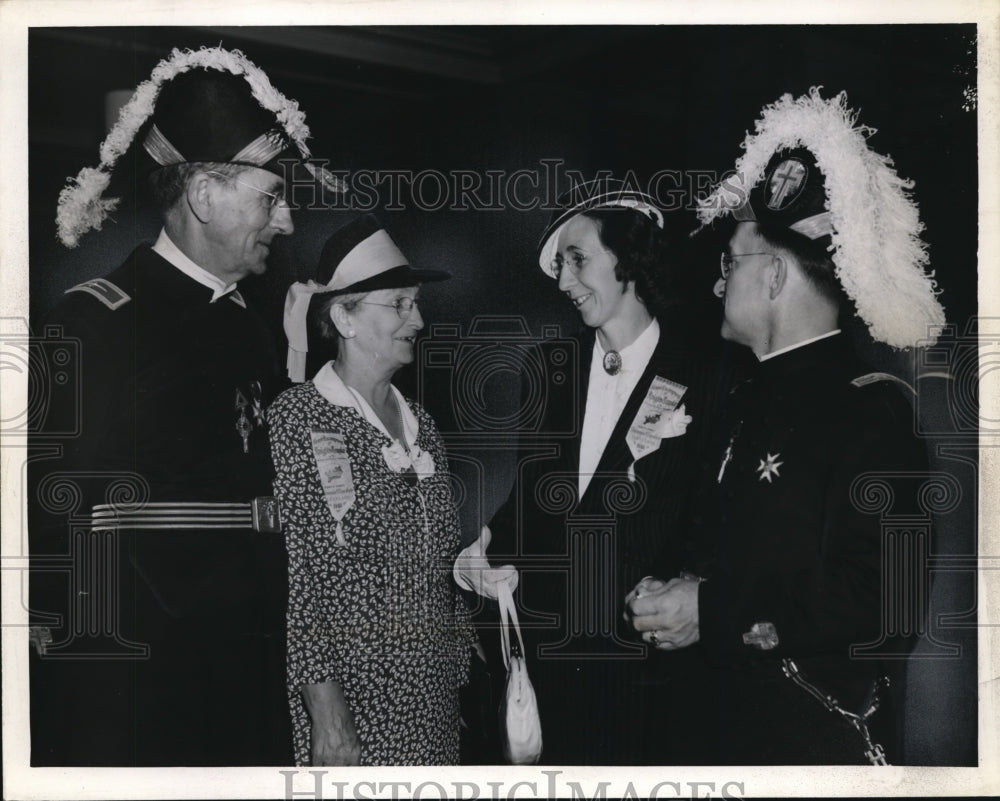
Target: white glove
[(473, 571)]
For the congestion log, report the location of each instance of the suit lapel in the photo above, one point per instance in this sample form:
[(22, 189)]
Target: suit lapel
[(585, 343)]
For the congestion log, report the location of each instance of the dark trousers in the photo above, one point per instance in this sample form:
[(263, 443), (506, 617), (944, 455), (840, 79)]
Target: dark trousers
[(598, 712)]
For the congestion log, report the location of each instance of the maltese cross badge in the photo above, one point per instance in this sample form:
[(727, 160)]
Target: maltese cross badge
[(769, 467)]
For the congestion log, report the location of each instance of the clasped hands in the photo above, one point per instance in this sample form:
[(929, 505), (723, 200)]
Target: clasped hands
[(664, 613)]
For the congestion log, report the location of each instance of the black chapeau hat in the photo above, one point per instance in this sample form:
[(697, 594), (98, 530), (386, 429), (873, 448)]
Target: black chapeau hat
[(211, 105)]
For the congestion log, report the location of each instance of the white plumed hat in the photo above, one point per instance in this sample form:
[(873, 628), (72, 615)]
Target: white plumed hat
[(808, 167)]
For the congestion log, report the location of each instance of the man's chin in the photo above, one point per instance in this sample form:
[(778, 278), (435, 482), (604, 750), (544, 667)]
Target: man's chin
[(730, 335)]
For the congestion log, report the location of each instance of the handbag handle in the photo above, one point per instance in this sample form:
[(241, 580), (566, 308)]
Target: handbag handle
[(508, 617)]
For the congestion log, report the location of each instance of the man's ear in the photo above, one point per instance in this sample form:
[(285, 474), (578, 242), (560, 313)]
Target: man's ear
[(776, 274), (200, 196)]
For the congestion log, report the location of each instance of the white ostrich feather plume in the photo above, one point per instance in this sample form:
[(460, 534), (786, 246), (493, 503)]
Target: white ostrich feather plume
[(880, 259)]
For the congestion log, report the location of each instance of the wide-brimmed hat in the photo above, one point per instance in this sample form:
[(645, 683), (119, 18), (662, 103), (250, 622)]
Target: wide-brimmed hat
[(207, 105), (362, 257), (601, 193), (808, 167), (358, 257)]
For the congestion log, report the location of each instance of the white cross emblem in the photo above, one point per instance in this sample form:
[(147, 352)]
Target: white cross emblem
[(769, 467)]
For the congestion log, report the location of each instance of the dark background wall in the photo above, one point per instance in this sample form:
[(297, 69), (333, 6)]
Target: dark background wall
[(640, 99)]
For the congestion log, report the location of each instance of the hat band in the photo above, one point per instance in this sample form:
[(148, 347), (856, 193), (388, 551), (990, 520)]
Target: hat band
[(160, 148), (633, 201), (814, 227), (373, 255), (259, 152), (744, 213), (262, 149), (294, 321), (640, 206)]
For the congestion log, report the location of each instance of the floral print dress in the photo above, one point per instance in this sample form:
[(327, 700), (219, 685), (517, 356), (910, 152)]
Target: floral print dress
[(372, 603)]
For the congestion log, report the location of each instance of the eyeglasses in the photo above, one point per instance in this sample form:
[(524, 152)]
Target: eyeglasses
[(728, 262), (274, 201), (403, 306), (574, 260)]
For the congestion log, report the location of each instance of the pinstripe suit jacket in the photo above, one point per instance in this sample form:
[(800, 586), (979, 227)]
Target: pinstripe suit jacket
[(579, 556)]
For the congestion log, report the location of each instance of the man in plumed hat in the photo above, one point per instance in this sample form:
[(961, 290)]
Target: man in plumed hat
[(158, 591), (788, 598)]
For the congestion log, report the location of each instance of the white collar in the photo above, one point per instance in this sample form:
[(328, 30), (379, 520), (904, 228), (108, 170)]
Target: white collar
[(166, 248), (801, 344), (638, 352), (332, 387)]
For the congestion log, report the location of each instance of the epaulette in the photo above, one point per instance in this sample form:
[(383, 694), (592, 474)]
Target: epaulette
[(874, 378), (108, 293)]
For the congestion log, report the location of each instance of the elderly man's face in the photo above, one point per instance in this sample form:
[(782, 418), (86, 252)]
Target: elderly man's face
[(744, 293), (245, 222)]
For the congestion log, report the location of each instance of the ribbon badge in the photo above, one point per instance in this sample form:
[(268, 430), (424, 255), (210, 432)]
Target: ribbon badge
[(659, 417), (334, 464)]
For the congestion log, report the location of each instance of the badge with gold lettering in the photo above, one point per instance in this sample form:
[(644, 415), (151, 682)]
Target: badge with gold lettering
[(658, 418), (334, 465)]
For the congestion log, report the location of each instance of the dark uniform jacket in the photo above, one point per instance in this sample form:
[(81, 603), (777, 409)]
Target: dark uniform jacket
[(164, 386), (579, 557), (789, 536)]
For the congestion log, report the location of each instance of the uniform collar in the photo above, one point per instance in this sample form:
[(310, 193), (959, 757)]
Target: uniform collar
[(168, 250), (801, 344), (825, 353)]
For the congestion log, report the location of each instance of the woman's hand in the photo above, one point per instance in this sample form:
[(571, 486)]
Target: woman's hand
[(335, 745), (334, 738)]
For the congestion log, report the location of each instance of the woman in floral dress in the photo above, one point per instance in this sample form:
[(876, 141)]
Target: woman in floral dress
[(378, 638)]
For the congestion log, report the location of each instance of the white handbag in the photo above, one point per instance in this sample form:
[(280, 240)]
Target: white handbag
[(520, 725)]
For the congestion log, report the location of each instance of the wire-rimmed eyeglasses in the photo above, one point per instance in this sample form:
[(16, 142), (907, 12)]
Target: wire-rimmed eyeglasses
[(728, 261), (403, 306), (274, 201)]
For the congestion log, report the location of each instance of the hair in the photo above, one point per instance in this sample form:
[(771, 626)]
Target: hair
[(811, 256), (639, 245), (167, 185), (323, 337)]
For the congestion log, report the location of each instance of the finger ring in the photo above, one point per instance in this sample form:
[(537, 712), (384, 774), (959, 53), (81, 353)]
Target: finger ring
[(653, 639)]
